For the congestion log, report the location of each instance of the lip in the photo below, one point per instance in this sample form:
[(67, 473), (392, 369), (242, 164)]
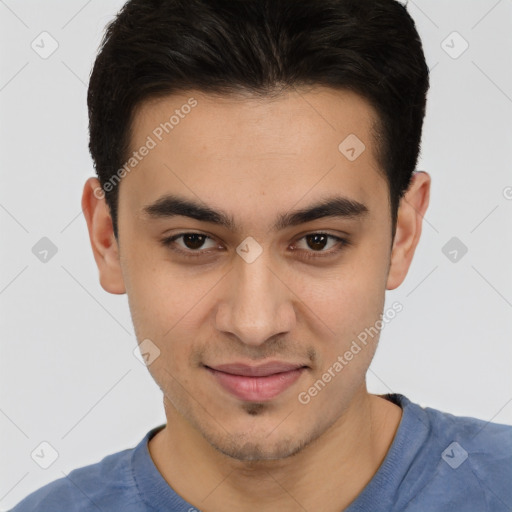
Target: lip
[(256, 383)]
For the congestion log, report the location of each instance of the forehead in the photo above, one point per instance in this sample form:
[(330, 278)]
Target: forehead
[(256, 153), (261, 126)]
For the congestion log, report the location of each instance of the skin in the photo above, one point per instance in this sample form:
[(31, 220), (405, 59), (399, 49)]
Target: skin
[(256, 159)]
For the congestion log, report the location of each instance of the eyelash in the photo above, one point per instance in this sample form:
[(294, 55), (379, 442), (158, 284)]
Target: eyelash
[(169, 243)]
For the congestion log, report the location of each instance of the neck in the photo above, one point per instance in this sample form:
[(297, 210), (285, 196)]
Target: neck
[(327, 475)]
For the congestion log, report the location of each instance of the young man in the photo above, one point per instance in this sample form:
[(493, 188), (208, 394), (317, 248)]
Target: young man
[(256, 198)]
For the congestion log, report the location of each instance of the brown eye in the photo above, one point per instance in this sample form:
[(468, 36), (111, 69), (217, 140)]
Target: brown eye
[(193, 240), (317, 241), (192, 244), (315, 244)]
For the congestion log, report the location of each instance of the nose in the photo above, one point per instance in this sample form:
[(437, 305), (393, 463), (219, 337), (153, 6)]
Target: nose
[(257, 303)]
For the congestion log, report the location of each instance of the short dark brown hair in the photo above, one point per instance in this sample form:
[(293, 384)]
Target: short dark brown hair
[(158, 47)]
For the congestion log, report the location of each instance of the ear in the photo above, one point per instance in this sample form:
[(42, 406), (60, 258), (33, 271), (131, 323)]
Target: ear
[(101, 234), (413, 206)]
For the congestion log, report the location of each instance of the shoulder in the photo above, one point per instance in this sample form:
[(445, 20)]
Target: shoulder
[(472, 459), (86, 488), (485, 437), (483, 440)]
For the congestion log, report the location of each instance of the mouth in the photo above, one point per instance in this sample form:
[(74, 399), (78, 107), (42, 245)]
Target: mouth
[(256, 383)]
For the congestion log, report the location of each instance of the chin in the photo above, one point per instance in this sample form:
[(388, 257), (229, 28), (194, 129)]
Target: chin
[(259, 450), (271, 442)]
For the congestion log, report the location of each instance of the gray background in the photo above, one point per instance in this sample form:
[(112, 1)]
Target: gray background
[(67, 369)]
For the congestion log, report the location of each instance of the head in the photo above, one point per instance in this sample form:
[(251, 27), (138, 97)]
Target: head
[(255, 198)]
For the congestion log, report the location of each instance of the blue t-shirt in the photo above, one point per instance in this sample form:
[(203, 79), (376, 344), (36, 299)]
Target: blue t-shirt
[(437, 462)]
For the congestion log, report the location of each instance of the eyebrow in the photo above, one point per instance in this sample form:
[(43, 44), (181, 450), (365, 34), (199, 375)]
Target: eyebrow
[(335, 206)]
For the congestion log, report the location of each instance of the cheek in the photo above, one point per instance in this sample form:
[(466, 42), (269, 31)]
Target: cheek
[(159, 294), (349, 303), (349, 298), (351, 307), (170, 308)]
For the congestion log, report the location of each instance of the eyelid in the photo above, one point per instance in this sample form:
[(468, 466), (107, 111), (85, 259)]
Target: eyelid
[(343, 241), (341, 244), (168, 242)]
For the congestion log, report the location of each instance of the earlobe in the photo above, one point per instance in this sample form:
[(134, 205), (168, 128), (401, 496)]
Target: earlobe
[(101, 235), (413, 206)]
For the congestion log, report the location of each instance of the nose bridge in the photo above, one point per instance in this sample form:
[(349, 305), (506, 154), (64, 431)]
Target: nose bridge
[(257, 305)]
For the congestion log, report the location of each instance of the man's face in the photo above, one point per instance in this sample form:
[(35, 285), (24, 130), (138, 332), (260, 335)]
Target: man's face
[(216, 312)]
